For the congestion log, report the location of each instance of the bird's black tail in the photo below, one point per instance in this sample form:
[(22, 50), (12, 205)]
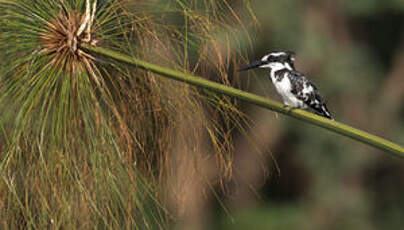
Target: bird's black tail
[(323, 111)]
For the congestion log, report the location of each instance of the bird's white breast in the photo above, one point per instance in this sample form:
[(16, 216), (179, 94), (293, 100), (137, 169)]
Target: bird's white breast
[(284, 88)]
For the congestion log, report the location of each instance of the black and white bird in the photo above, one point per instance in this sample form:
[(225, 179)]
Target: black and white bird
[(295, 89)]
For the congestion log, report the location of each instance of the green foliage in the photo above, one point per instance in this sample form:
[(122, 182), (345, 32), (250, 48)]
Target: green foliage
[(91, 143)]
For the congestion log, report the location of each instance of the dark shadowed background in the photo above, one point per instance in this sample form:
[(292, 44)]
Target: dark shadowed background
[(354, 52)]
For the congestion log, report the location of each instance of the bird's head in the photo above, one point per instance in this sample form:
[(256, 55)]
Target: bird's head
[(274, 60)]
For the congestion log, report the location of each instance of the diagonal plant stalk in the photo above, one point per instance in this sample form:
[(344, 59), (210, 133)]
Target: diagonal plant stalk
[(337, 127)]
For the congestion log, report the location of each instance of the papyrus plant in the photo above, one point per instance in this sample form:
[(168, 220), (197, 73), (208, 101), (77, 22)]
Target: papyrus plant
[(89, 141)]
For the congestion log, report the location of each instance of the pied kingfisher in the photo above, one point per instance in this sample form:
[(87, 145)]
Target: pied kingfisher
[(295, 89)]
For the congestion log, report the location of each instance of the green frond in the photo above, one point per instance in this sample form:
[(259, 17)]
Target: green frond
[(96, 135)]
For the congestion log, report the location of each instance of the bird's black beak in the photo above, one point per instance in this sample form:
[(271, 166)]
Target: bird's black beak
[(253, 65)]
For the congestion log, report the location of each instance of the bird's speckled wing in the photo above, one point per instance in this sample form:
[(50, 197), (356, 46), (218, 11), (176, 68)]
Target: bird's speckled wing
[(306, 91)]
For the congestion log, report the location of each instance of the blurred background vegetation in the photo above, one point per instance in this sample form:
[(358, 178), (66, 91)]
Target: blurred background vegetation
[(165, 155), (354, 52)]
